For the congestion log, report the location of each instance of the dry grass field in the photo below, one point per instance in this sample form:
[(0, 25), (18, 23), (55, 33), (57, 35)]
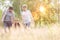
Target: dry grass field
[(42, 33)]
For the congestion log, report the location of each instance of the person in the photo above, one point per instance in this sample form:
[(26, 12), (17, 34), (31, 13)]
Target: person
[(27, 17), (8, 18), (16, 23)]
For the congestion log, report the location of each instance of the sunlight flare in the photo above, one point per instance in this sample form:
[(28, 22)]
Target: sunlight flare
[(42, 9)]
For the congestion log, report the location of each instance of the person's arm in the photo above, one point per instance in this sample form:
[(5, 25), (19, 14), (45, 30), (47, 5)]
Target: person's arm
[(22, 17), (13, 17), (3, 15), (31, 16)]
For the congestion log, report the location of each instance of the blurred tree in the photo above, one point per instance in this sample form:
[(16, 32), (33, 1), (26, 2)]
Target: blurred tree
[(16, 6), (34, 5)]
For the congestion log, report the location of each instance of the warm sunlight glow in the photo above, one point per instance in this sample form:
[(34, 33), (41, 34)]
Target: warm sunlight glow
[(42, 9)]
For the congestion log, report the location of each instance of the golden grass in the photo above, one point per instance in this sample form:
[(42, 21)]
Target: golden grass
[(42, 33)]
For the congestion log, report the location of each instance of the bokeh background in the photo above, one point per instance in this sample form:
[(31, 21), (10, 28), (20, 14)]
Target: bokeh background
[(46, 14), (43, 11)]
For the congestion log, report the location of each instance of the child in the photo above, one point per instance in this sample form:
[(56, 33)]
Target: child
[(16, 23), (26, 16), (8, 18)]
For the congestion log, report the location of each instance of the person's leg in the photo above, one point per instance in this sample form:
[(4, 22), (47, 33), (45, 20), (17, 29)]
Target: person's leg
[(5, 26), (24, 24), (15, 25), (27, 25), (18, 24), (9, 25)]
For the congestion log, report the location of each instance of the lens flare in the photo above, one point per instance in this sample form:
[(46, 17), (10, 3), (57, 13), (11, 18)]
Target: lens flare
[(42, 9)]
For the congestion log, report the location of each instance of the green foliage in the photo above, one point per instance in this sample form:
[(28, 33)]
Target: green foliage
[(0, 14), (33, 5), (16, 6)]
